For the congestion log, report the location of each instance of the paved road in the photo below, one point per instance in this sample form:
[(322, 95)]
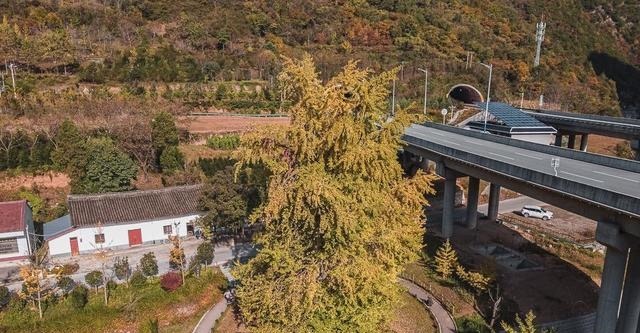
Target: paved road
[(610, 179), (443, 318), (224, 252), (510, 205), (209, 319)]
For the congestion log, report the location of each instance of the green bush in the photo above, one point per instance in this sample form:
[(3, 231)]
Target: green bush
[(137, 279), (94, 279), (5, 296), (224, 142), (79, 297), (121, 268), (149, 264), (472, 324), (171, 159), (204, 253)]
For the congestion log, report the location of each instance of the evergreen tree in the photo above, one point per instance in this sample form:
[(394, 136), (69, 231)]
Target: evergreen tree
[(523, 326), (69, 149), (446, 260), (105, 168), (340, 221), (164, 132), (171, 159)]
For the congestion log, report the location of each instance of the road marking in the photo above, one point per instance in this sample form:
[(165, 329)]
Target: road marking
[(573, 174), (507, 157), (606, 174), (473, 143), (525, 155), (438, 134)]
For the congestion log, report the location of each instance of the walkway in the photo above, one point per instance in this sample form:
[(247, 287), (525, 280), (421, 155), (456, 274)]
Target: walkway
[(208, 320), (443, 318)]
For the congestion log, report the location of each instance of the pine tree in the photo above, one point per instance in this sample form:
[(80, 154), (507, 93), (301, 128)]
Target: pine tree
[(340, 221), (446, 260), (523, 326), (477, 281)]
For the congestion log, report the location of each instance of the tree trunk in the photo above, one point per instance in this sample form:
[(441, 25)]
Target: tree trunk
[(39, 301)]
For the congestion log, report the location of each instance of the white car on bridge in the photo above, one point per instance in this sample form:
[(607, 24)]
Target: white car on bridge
[(536, 211)]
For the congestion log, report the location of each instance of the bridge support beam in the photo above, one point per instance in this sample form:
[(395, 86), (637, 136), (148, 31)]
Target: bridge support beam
[(449, 202), (584, 140), (572, 141), (494, 202), (613, 280), (473, 193), (630, 308), (558, 142)]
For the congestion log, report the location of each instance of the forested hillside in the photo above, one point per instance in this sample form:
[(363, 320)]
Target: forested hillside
[(144, 48)]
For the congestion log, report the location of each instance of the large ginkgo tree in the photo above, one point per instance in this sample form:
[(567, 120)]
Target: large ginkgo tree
[(340, 220)]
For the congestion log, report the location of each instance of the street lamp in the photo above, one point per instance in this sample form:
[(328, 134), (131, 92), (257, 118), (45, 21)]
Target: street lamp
[(426, 81), (486, 108), (444, 114)]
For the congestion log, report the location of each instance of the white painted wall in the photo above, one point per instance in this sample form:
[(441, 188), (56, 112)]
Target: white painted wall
[(117, 235), (23, 248), (544, 139)]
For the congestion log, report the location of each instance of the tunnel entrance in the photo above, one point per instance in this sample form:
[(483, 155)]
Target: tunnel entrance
[(465, 93)]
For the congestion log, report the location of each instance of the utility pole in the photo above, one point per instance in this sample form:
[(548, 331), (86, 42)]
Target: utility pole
[(521, 99), (426, 83), (12, 67), (540, 29)]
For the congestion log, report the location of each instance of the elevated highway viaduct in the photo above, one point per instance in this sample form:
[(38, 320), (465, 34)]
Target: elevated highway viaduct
[(574, 124), (601, 188)]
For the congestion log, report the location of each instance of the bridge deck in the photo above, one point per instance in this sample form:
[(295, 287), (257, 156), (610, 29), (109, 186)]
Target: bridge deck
[(599, 178)]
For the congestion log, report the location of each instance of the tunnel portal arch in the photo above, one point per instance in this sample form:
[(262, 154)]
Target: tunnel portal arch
[(465, 93)]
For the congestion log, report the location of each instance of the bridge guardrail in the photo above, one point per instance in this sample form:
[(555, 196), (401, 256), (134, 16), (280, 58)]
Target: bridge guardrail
[(613, 162)]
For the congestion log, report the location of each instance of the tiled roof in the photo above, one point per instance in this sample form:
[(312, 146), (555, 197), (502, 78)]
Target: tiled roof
[(12, 215), (134, 206)]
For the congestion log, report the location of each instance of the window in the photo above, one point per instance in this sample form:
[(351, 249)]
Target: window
[(8, 245), (99, 238), (168, 230)]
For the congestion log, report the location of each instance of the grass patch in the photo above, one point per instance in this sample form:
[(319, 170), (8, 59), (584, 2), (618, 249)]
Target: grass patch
[(128, 309), (411, 316)]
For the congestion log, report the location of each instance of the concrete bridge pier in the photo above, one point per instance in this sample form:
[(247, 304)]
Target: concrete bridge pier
[(473, 193), (635, 145), (630, 307), (584, 141), (494, 202), (449, 203), (572, 141), (558, 142), (619, 298)]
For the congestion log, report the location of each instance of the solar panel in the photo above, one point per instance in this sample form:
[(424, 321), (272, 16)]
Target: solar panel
[(510, 116)]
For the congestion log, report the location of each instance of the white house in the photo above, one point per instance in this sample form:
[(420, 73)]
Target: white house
[(16, 230), (123, 220)]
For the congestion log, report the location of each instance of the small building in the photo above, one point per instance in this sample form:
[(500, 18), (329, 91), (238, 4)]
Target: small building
[(506, 120), (17, 232), (123, 220)]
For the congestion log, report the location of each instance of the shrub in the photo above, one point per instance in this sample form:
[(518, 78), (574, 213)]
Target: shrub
[(94, 279), (121, 268), (65, 284), (171, 160), (224, 142), (79, 296), (204, 253), (149, 264), (66, 269), (5, 296), (137, 278), (170, 281)]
